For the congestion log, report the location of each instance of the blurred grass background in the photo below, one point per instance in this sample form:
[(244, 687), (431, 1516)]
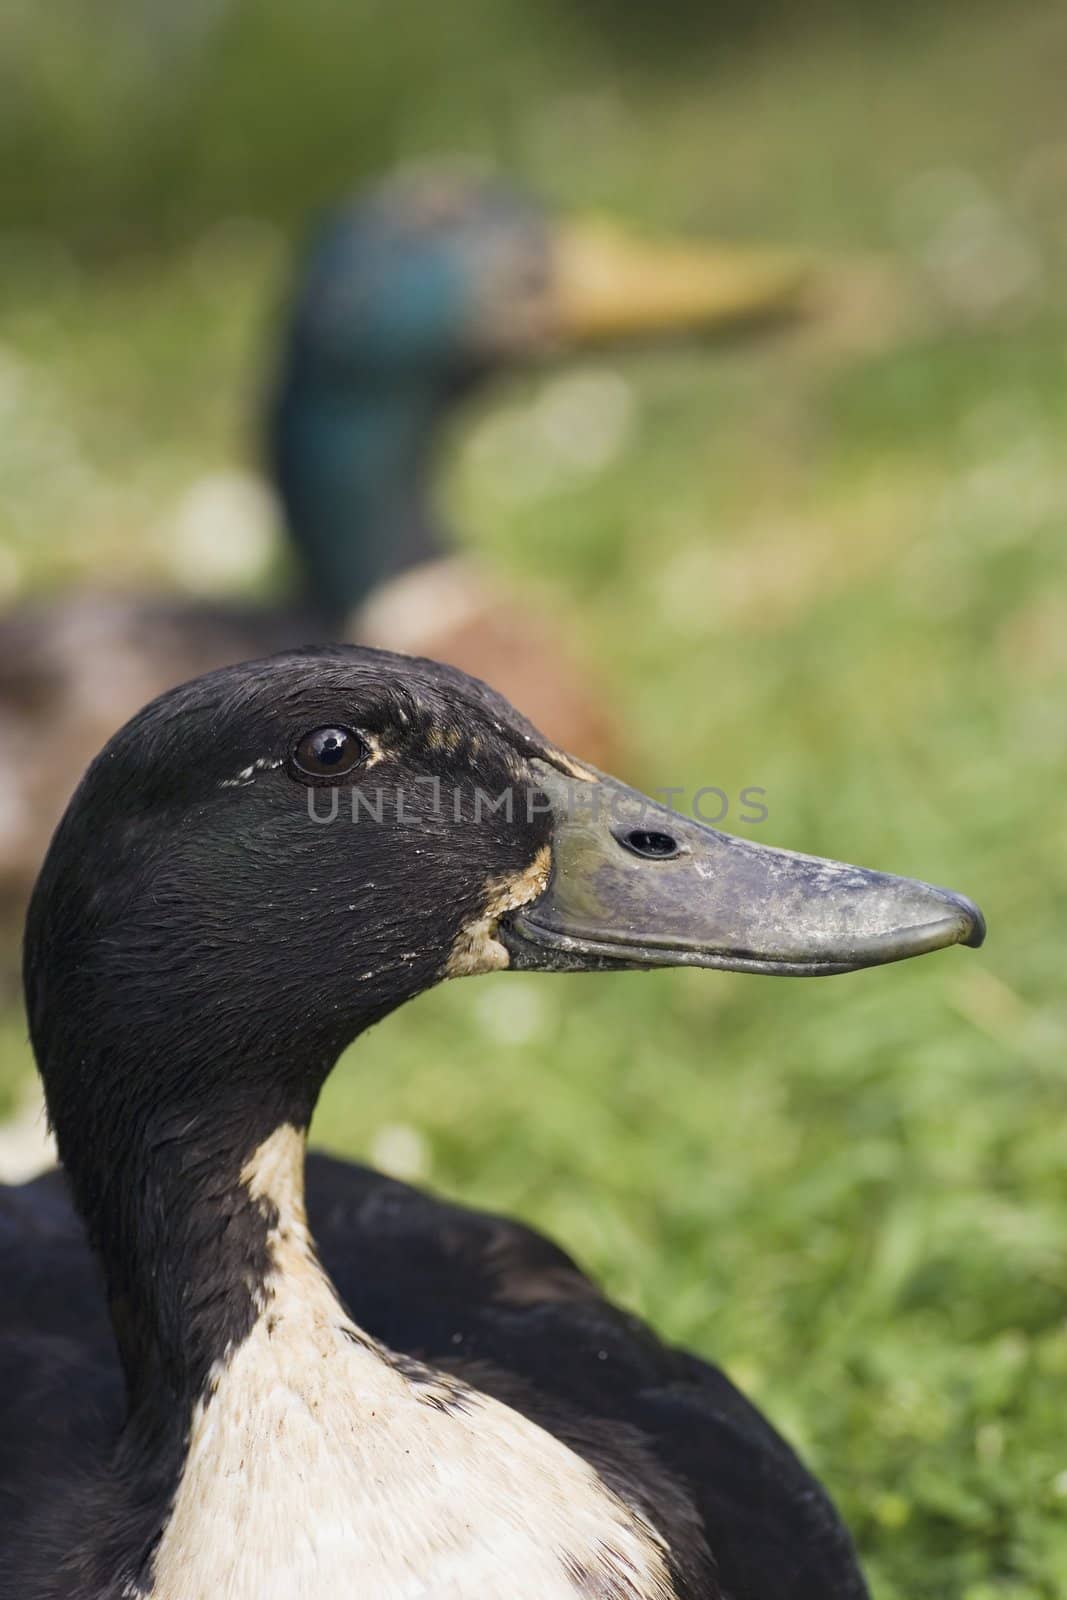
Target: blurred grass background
[(833, 567)]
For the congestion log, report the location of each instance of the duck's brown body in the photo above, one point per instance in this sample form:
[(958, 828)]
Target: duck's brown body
[(74, 670)]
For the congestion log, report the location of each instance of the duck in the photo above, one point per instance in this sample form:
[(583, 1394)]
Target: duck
[(232, 1369), (406, 299)]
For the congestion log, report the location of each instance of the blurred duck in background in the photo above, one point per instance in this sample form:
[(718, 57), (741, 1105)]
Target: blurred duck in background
[(406, 299), (403, 305)]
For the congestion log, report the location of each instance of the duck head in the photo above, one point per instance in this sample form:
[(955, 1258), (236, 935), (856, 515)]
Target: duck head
[(269, 859), (416, 291)]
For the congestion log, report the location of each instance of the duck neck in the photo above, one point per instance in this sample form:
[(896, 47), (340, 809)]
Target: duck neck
[(195, 1204), (352, 466), (185, 1218)]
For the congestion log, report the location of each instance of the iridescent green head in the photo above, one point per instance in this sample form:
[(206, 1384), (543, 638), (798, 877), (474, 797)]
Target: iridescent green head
[(419, 288)]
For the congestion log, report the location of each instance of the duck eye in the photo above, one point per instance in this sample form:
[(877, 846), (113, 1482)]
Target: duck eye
[(328, 753)]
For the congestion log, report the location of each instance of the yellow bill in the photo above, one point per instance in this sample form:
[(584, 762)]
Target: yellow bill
[(611, 285)]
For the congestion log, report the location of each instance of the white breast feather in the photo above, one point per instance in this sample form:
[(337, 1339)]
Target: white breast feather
[(315, 1471)]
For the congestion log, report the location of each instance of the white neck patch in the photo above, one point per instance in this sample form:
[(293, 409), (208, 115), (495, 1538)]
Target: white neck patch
[(476, 947), (318, 1470)]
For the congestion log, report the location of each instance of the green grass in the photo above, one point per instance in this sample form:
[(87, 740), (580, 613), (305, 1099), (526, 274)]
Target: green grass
[(835, 567)]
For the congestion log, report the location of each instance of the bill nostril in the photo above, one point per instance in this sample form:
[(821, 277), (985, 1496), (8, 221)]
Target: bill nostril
[(649, 843)]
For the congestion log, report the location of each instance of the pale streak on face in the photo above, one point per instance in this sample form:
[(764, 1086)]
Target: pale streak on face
[(316, 1470), (574, 769), (375, 753), (247, 774), (476, 947)]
